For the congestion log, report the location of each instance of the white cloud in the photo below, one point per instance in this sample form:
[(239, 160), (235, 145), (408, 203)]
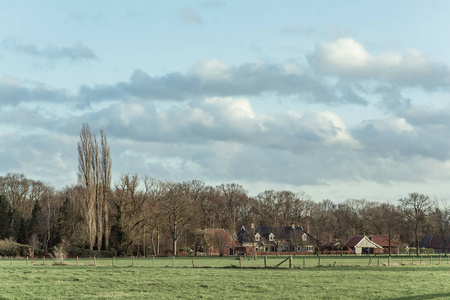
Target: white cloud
[(348, 58), (230, 107), (129, 112), (331, 128)]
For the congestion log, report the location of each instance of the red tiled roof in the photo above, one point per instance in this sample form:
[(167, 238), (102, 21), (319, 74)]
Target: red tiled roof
[(353, 241), (383, 240)]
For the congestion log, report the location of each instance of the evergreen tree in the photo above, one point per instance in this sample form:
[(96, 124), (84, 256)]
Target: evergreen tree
[(36, 215), (5, 216), (22, 236)]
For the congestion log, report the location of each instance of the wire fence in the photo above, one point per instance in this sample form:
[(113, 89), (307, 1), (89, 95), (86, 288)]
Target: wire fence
[(296, 262)]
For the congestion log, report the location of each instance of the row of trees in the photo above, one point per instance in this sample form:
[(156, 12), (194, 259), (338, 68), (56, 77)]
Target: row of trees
[(140, 215), (147, 216)]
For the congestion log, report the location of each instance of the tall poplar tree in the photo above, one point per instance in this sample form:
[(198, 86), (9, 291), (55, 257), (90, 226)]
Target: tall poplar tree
[(94, 176)]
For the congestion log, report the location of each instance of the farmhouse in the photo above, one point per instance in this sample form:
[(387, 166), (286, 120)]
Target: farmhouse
[(363, 245), (274, 239)]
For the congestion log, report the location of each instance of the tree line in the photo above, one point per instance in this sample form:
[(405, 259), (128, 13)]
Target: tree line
[(139, 215)]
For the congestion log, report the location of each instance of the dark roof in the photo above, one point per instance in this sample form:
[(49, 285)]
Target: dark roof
[(383, 240), (243, 236), (352, 242), (281, 233), (434, 241)]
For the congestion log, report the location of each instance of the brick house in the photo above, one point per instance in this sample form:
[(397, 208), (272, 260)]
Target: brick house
[(267, 239)]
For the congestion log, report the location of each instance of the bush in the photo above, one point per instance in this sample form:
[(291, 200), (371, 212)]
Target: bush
[(9, 248), (60, 255)]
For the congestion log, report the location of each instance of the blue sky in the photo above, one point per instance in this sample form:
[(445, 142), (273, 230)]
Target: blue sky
[(336, 100)]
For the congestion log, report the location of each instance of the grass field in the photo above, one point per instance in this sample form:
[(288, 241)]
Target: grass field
[(214, 278)]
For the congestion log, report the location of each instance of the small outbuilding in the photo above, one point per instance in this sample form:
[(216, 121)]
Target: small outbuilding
[(362, 245)]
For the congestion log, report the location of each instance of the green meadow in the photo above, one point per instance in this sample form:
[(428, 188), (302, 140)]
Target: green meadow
[(227, 278)]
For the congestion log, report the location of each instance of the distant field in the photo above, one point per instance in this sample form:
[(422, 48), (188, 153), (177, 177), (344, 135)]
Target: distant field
[(214, 278)]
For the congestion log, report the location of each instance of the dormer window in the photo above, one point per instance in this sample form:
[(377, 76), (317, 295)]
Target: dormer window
[(257, 237), (304, 237), (271, 237)]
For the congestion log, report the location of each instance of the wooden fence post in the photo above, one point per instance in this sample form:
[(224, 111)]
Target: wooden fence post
[(173, 261), (318, 263), (11, 260), (265, 261), (193, 265), (153, 264), (290, 262), (95, 262), (389, 261)]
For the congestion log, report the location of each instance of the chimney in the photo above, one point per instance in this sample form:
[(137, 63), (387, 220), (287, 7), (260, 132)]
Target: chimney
[(293, 225)]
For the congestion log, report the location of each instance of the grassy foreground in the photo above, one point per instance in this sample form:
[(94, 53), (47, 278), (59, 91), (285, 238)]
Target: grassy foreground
[(351, 277)]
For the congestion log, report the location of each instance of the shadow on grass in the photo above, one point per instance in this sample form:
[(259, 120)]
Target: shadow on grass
[(429, 296)]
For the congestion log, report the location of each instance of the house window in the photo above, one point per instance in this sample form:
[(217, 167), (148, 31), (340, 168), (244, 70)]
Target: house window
[(309, 248), (271, 237), (304, 237), (299, 248), (287, 248), (267, 249)]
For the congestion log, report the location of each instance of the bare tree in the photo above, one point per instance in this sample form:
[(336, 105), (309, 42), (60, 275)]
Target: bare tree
[(322, 220), (155, 190), (131, 217), (441, 218), (105, 185), (234, 197), (94, 176), (415, 210), (342, 224), (177, 207), (86, 179)]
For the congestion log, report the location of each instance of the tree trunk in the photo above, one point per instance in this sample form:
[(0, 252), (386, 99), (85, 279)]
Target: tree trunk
[(174, 246)]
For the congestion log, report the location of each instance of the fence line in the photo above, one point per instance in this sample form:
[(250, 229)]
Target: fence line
[(297, 262)]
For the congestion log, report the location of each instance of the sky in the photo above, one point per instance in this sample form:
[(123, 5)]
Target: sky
[(336, 99)]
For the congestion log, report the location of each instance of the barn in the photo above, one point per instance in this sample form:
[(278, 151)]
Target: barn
[(362, 245)]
